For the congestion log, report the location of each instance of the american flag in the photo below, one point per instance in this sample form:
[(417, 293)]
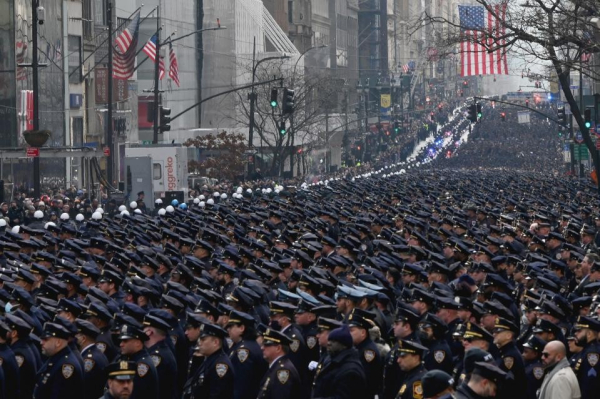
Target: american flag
[(173, 65), (479, 27), (585, 56), (124, 53), (405, 68), (150, 50), (20, 56)]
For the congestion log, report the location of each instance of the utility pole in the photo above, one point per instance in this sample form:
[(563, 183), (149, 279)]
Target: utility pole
[(109, 123), (156, 79), (36, 95)]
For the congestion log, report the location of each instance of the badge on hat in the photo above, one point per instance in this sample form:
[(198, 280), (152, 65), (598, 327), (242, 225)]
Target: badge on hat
[(142, 369), (509, 361), (369, 355), (156, 360), (538, 373), (439, 356), (592, 359), (221, 369), (101, 346), (174, 339), (243, 354), (311, 342), (20, 360), (283, 376), (88, 365), (67, 370), (417, 390), (295, 345)]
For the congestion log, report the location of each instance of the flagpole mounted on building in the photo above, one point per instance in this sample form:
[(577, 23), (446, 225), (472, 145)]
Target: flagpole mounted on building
[(109, 123), (157, 78)]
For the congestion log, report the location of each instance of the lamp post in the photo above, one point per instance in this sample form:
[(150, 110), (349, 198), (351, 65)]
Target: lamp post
[(252, 102), (293, 82)]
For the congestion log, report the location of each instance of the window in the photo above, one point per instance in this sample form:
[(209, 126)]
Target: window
[(75, 59), (88, 20), (100, 12), (77, 131), (156, 171)]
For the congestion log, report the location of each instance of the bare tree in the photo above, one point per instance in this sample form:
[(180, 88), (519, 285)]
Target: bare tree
[(555, 33), (224, 155), (314, 96)]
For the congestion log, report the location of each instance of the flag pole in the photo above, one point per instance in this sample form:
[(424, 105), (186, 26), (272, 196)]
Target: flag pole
[(109, 138), (156, 78)]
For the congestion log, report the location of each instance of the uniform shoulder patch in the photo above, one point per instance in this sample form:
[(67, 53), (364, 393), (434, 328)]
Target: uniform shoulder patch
[(283, 375), (369, 355), (221, 369), (142, 369), (20, 360), (509, 361), (592, 359), (417, 390), (88, 365), (67, 370), (243, 355), (156, 359), (311, 342), (439, 356), (295, 345), (538, 373), (101, 346)]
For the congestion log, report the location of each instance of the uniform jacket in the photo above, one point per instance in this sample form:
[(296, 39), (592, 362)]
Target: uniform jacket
[(11, 372), (342, 377), (145, 382), (94, 363), (60, 377), (249, 367), (560, 383), (166, 366), (214, 379), (412, 387), (281, 381)]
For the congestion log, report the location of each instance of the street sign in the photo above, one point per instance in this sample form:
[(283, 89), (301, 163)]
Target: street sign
[(580, 152), (106, 152), (146, 142), (33, 152), (579, 137)]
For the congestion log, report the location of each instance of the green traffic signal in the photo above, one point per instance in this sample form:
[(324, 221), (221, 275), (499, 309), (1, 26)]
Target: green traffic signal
[(273, 98), (273, 104), (588, 124)]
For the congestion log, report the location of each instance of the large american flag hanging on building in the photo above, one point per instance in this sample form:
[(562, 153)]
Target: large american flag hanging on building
[(479, 28), (125, 50)]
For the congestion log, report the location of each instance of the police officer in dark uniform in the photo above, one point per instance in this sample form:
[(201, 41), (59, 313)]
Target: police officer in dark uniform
[(23, 355), (101, 317), (510, 360), (162, 355), (410, 355), (10, 368), (214, 379), (61, 376), (120, 379), (282, 379), (94, 361), (245, 355), (307, 323), (404, 328), (360, 322), (534, 369), (141, 205), (486, 377), (587, 368), (343, 375), (432, 331), (132, 340)]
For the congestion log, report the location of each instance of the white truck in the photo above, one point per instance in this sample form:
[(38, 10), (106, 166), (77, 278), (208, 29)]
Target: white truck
[(165, 165)]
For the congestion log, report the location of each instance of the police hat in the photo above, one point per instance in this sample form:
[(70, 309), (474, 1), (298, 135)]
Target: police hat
[(205, 306), (272, 337), (406, 347), (502, 324), (156, 322), (67, 305), (326, 324), (475, 332), (87, 328), (276, 307), (131, 332), (587, 322), (474, 355), (535, 343), (18, 324), (55, 330), (212, 330), (435, 382), (121, 370), (195, 320), (489, 372), (361, 318), (241, 318), (543, 325)]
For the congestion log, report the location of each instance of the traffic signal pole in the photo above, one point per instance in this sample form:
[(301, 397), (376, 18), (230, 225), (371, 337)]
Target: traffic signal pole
[(156, 78)]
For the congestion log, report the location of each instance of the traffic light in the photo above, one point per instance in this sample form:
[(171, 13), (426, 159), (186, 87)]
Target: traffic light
[(503, 116), (288, 102), (396, 127), (479, 113), (561, 116), (465, 83), (432, 117), (472, 113), (273, 98), (587, 115), (299, 150), (165, 119), (527, 103), (282, 129)]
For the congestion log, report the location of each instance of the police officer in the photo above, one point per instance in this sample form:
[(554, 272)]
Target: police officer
[(19, 332), (214, 378), (61, 376), (437, 384), (360, 322), (10, 368), (100, 316), (162, 355), (484, 382), (510, 360), (410, 355), (534, 369), (94, 361), (131, 341), (432, 331), (343, 375), (282, 379), (245, 355), (307, 323), (587, 368), (120, 380)]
